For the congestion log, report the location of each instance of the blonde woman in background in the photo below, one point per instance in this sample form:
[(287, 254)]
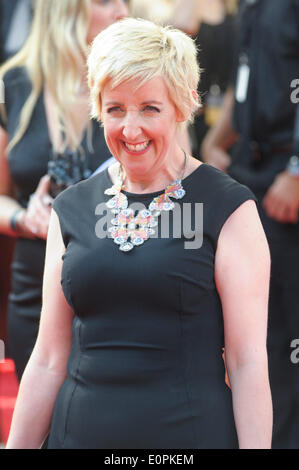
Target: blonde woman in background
[(45, 130)]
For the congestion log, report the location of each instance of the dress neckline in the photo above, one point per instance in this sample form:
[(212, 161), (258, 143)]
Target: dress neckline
[(156, 193)]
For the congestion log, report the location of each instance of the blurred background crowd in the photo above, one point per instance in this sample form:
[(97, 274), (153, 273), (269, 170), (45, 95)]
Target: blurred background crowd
[(248, 51)]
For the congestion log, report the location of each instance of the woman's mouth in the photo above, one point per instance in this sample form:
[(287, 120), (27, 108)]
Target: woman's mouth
[(137, 148)]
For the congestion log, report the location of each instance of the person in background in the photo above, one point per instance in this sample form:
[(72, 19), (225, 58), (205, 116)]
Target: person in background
[(15, 20), (259, 115), (166, 12), (212, 24), (47, 142), (129, 353), (215, 39)]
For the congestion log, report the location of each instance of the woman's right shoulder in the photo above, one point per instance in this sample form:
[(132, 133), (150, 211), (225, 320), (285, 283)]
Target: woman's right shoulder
[(15, 76), (82, 192), (16, 86)]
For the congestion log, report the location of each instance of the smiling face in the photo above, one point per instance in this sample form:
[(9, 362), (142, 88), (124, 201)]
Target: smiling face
[(140, 125), (103, 14)]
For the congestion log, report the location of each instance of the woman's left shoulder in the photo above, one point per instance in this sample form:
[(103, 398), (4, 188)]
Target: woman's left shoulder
[(217, 187), (224, 187), (221, 196)]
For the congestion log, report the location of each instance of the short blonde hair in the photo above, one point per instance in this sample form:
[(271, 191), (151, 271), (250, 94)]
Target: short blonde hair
[(136, 48)]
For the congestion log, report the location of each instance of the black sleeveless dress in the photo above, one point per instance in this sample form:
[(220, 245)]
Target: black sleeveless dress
[(145, 369), (28, 162)]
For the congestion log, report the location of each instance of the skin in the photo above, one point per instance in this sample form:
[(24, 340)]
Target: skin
[(282, 199), (242, 276), (220, 137), (242, 272), (103, 14), (140, 115), (46, 368), (34, 222), (188, 16)]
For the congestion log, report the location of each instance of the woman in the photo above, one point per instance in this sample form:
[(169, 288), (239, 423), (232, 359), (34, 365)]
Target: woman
[(215, 38), (45, 119), (129, 354)]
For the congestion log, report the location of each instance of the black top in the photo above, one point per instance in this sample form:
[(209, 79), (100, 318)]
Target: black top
[(145, 369), (28, 160), (269, 37), (215, 45)]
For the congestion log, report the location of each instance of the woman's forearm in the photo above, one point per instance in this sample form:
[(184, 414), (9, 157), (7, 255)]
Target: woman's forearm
[(8, 206), (252, 405), (222, 134), (34, 407)]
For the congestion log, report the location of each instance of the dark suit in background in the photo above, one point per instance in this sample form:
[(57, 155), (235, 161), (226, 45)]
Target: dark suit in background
[(264, 117)]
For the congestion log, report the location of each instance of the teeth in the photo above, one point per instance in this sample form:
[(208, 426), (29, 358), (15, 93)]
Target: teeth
[(138, 147)]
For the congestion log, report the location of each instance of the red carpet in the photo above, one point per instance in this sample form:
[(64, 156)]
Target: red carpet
[(8, 392)]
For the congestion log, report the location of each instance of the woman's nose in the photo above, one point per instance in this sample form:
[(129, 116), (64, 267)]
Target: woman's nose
[(131, 127)]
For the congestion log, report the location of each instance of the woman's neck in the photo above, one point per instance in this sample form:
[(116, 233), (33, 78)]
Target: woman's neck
[(156, 182), (152, 182)]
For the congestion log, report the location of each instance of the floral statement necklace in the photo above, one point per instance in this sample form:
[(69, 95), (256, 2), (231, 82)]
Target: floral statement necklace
[(129, 230)]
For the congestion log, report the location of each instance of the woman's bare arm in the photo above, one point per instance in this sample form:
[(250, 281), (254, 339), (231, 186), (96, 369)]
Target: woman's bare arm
[(8, 205), (30, 222), (242, 273), (46, 369), (221, 137)]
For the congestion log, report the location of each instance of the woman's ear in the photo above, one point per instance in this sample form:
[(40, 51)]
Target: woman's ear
[(181, 117)]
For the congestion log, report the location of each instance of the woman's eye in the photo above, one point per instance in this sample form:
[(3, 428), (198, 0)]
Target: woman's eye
[(102, 2), (114, 109), (152, 109)]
